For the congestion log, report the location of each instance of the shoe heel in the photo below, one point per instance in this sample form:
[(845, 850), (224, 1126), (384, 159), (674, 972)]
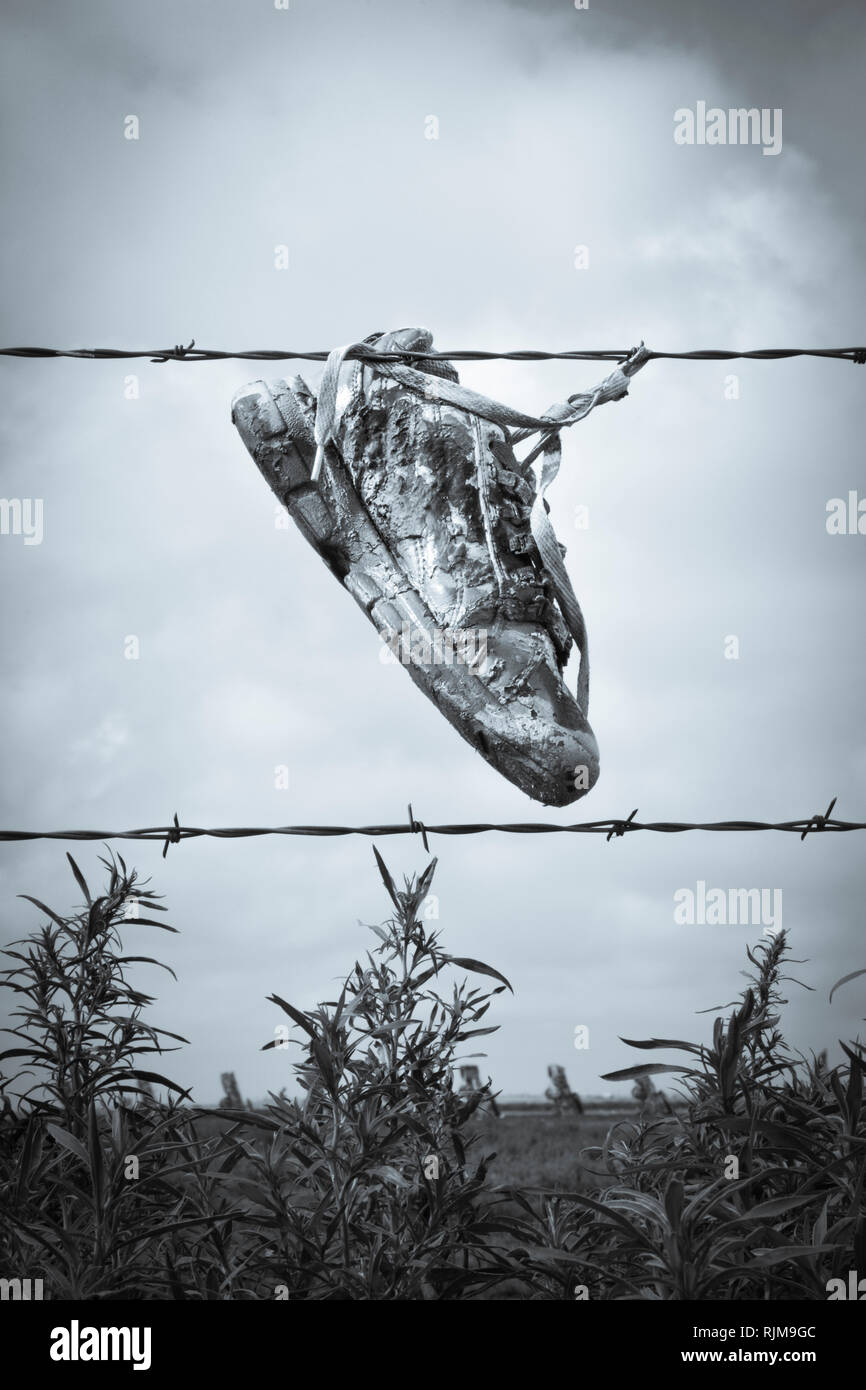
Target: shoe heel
[(275, 427)]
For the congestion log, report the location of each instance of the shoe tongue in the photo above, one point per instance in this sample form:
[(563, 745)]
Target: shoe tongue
[(405, 340)]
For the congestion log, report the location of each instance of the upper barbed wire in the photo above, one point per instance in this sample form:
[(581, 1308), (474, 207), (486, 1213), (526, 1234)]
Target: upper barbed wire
[(363, 352)]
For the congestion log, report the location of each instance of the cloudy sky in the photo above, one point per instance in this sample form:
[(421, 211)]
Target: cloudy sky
[(707, 499)]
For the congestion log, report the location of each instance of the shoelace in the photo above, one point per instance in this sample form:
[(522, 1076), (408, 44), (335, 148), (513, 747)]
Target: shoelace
[(544, 458)]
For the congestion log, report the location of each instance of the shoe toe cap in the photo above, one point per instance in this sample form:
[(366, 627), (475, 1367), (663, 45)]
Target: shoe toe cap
[(551, 762)]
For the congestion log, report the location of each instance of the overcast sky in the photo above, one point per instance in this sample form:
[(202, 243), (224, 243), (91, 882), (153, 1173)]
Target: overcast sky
[(306, 128)]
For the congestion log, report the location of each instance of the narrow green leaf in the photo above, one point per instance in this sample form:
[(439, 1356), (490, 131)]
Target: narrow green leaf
[(387, 880), (390, 1174), (764, 1258), (777, 1205), (80, 879), (97, 1164), (29, 1155), (42, 908), (844, 980), (652, 1044), (647, 1069), (159, 1080), (295, 1014), (426, 879), (152, 1232), (146, 960), (68, 1141), (478, 967)]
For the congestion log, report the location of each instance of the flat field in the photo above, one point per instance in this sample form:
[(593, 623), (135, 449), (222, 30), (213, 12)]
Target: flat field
[(543, 1150)]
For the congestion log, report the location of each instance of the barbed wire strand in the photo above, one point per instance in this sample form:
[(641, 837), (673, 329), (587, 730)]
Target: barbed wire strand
[(361, 351), (611, 827)]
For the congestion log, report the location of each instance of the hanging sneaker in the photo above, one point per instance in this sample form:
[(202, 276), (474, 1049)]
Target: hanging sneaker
[(407, 485)]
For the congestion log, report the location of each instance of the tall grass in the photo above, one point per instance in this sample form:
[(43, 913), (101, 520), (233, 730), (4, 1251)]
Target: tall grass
[(752, 1188), (379, 1182)]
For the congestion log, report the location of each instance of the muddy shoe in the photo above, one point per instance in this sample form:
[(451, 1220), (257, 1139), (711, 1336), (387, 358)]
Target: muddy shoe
[(408, 486)]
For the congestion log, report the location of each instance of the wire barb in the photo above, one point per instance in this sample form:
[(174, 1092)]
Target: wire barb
[(417, 826), (172, 837), (819, 822), (178, 354), (621, 826)]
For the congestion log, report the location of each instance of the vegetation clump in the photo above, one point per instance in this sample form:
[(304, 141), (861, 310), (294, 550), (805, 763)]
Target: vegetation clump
[(378, 1183)]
